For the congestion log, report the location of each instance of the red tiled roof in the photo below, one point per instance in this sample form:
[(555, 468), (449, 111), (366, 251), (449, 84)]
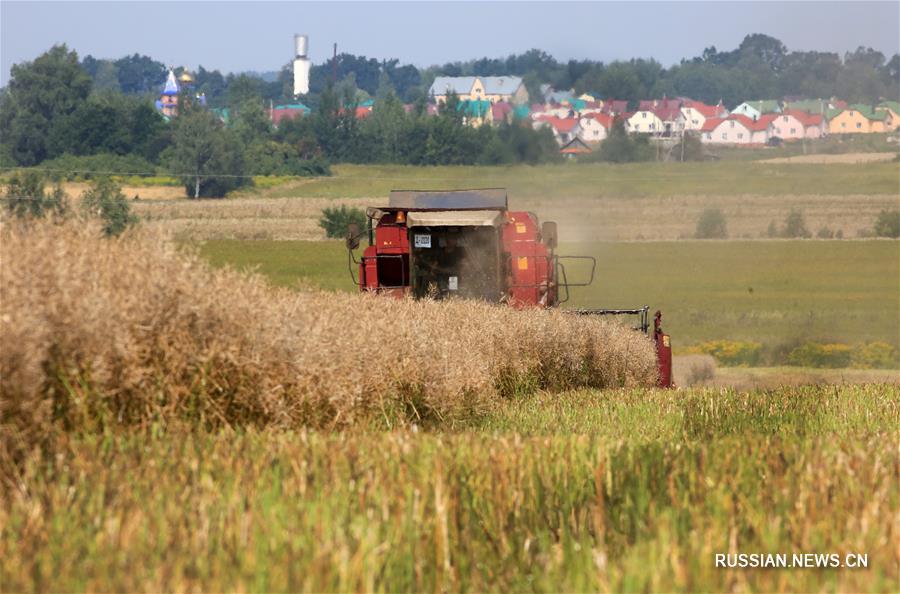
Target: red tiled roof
[(807, 119), (763, 121), (667, 111), (751, 125), (707, 111), (615, 105), (710, 124), (560, 124), (605, 119), (285, 114)]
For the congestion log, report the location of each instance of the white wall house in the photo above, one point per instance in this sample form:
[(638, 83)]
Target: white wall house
[(726, 131), (696, 113), (644, 122), (737, 129), (593, 129)]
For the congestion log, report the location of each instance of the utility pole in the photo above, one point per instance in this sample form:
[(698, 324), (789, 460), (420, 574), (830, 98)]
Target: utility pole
[(334, 66)]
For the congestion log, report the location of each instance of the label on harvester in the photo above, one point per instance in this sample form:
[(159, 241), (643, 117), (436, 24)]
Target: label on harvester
[(422, 241), (453, 283), (523, 263)]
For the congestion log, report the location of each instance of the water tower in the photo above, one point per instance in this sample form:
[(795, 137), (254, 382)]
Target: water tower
[(301, 65)]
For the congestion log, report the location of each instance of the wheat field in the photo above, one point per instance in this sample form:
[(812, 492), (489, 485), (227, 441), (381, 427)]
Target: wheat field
[(102, 333)]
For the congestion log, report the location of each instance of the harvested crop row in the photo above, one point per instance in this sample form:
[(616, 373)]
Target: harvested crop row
[(129, 331)]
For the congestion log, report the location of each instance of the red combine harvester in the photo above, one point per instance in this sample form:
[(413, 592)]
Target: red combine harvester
[(468, 244)]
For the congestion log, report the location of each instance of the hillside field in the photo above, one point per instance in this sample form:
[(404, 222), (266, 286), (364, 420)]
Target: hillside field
[(774, 292)]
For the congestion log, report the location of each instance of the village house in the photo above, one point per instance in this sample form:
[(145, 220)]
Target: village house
[(737, 129), (575, 147), (756, 109), (669, 113), (793, 124), (788, 125), (659, 117), (594, 127), (644, 121), (564, 129), (287, 111), (857, 119), (893, 110), (479, 88), (696, 113)]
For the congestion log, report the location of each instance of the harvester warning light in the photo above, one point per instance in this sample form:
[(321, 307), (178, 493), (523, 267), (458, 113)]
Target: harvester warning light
[(422, 241), (520, 228)]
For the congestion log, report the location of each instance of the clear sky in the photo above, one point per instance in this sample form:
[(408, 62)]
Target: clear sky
[(240, 36)]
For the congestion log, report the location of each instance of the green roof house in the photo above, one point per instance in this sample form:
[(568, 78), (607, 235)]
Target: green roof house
[(755, 109)]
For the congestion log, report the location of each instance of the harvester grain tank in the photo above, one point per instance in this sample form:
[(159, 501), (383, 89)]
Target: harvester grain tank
[(468, 244)]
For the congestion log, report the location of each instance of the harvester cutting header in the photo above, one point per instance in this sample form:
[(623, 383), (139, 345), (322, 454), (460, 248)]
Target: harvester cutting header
[(468, 244)]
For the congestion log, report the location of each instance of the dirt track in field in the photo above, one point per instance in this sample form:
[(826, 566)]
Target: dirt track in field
[(848, 158)]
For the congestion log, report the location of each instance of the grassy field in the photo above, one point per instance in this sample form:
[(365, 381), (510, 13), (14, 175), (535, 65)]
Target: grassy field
[(573, 180), (629, 491), (646, 201), (776, 292)]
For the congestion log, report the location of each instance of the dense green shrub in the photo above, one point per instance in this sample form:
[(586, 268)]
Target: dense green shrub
[(812, 354), (888, 224), (711, 225), (26, 197), (621, 147), (87, 167), (278, 158), (336, 219), (795, 226), (105, 200), (874, 355)]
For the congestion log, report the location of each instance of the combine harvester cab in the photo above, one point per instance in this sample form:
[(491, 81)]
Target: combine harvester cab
[(468, 244)]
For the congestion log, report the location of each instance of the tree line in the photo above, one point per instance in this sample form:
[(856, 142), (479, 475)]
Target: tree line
[(761, 67), (99, 114), (51, 114)]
